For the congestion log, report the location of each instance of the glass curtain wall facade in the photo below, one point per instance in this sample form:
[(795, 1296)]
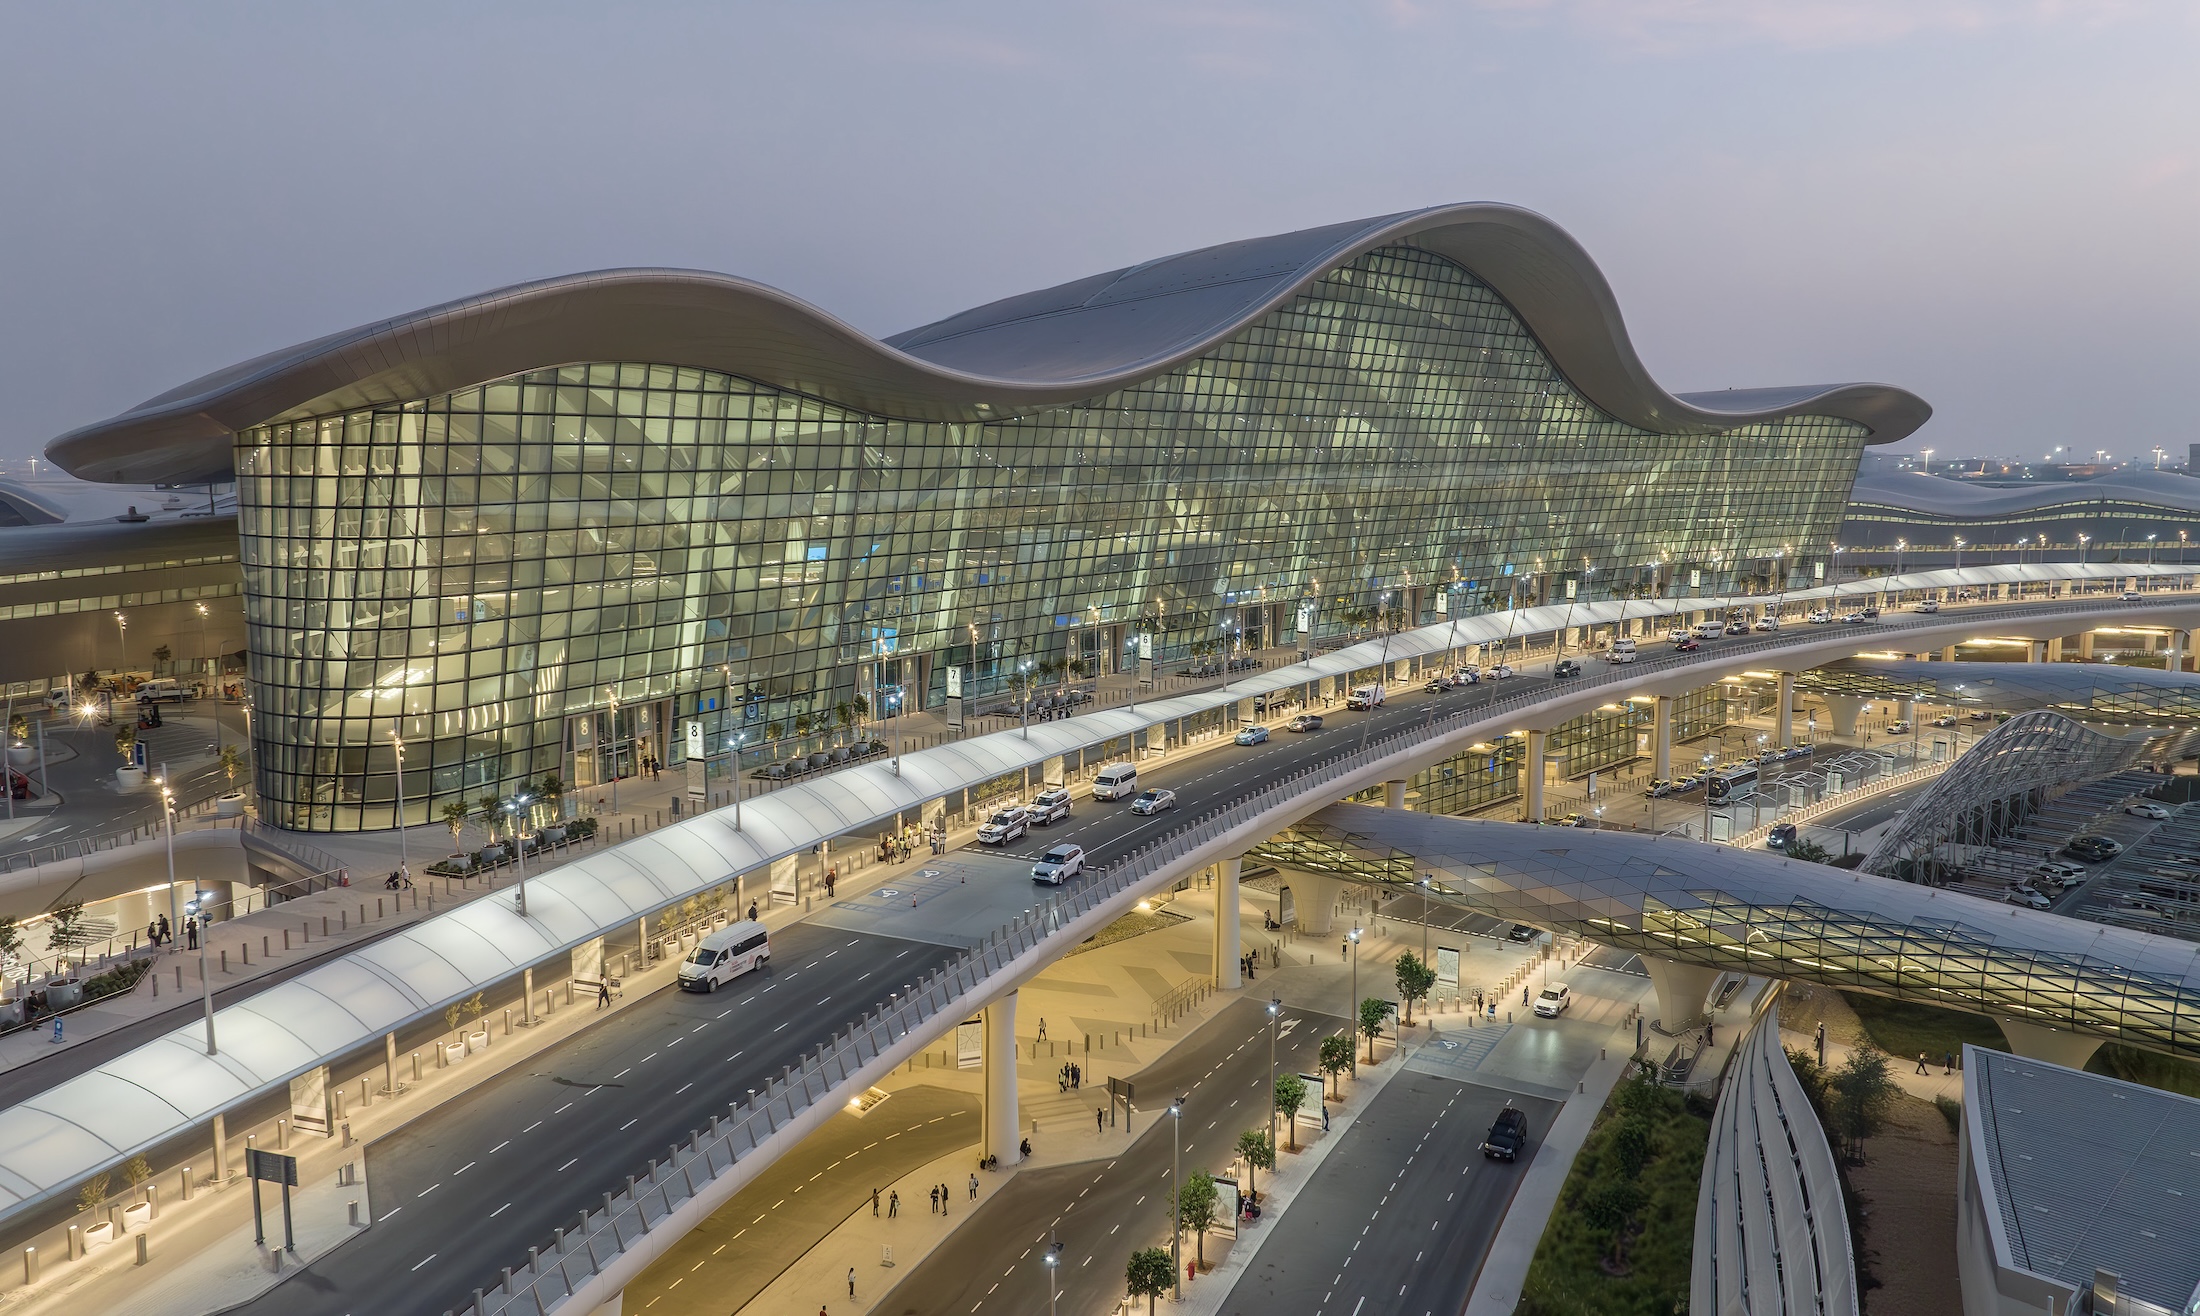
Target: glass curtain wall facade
[(473, 570)]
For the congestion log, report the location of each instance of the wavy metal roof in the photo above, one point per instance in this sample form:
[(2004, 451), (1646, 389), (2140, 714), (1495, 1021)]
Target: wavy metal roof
[(1930, 495), (1069, 343)]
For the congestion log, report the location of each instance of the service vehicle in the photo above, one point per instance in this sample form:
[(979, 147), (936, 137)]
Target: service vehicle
[(1003, 827), (1051, 806), (1304, 722), (1707, 630), (1116, 781), (1498, 671), (1820, 617), (1898, 727), (161, 690), (1508, 1137), (725, 955), (1929, 606), (1730, 783), (1154, 802), (1252, 735), (1622, 651), (1552, 1001), (1945, 720), (1769, 622), (1364, 698), (1059, 864)]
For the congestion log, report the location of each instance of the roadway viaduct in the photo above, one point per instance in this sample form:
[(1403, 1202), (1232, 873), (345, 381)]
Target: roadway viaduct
[(164, 1090)]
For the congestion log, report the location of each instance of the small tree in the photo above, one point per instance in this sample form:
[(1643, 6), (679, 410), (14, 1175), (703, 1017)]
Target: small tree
[(136, 1171), (231, 760), (455, 813), (1860, 1093), (71, 929), (1195, 1206), (452, 1014), (1149, 1274), (1415, 980), (11, 937), (1336, 1057), (1290, 1095), (94, 1192), (772, 730), (1809, 851), (1373, 1011), (161, 654), (126, 741), (19, 728), (1259, 1151)]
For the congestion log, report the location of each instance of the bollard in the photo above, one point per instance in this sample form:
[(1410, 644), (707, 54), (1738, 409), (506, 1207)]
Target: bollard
[(416, 1066), (244, 952), (179, 977), (264, 952), (282, 1135), (185, 1175), (152, 1199), (144, 1242), (507, 1021), (30, 1265), (337, 1093), (324, 925), (366, 1098), (377, 909), (76, 1241), (343, 920)]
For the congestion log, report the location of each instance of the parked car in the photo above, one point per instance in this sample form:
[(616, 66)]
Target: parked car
[(1898, 727), (1252, 735), (1552, 1001), (1564, 668), (1945, 720), (1154, 802), (1051, 806), (2147, 809), (1059, 864), (1508, 1137), (1660, 787), (1004, 827), (1304, 722), (2093, 849)]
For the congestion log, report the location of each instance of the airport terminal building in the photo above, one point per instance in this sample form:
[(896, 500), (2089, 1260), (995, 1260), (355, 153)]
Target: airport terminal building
[(534, 530)]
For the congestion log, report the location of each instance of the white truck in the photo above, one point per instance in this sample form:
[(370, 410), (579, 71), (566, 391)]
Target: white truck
[(1364, 698)]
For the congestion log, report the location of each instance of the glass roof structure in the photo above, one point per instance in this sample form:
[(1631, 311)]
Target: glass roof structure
[(2085, 692), (1760, 913)]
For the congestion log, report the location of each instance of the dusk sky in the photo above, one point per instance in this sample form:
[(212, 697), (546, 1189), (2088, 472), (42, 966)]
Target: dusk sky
[(1995, 205)]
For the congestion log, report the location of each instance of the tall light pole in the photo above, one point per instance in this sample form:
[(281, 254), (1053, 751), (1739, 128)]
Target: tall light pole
[(1275, 1012), (1427, 881), (517, 808), (397, 747), (122, 640), (1959, 552), (2150, 541), (1054, 1261), (1176, 1196), (737, 778), (168, 830), (893, 702), (1023, 695), (1353, 1013), (206, 657), (613, 691)]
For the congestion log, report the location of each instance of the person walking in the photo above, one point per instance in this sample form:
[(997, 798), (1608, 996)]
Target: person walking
[(603, 994), (935, 1200), (874, 1203), (152, 934), (893, 1204), (752, 911), (191, 933), (1921, 1063), (851, 1281), (973, 1186), (165, 933), (1042, 1028), (1948, 1062), (1100, 1118)]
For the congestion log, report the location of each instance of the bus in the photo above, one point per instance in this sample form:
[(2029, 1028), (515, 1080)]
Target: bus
[(1730, 784)]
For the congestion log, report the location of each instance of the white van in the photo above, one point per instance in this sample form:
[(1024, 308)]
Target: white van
[(1117, 781), (1708, 630), (1364, 698), (1622, 650), (725, 955), (162, 690)]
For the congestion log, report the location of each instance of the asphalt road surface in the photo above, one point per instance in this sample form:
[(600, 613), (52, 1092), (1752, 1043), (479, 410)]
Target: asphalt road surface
[(1401, 1214), (469, 1187), (1102, 1211)]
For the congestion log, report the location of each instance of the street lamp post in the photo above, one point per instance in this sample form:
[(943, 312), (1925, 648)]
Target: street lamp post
[(404, 855), (1054, 1261), (1426, 880), (2150, 549), (517, 808), (206, 657), (168, 830), (1176, 1196), (1959, 553), (613, 691), (1353, 1013), (206, 984), (1275, 1012), (1023, 695), (737, 792)]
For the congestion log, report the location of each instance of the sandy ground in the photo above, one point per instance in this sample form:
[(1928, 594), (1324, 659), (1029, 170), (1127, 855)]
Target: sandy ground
[(1908, 1183)]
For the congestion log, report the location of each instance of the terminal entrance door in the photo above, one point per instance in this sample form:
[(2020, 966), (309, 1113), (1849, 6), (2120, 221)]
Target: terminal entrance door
[(601, 746)]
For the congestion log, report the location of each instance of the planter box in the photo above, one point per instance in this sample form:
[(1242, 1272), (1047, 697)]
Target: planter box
[(130, 779), (22, 756), (453, 1052), (137, 1217), (230, 805), (64, 994), (551, 835), (478, 1041), (99, 1235), (11, 1014)]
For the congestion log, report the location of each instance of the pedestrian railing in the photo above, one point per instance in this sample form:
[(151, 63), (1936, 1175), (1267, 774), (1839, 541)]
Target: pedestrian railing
[(82, 846)]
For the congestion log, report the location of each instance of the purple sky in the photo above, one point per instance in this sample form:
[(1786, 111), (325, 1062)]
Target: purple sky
[(1995, 203)]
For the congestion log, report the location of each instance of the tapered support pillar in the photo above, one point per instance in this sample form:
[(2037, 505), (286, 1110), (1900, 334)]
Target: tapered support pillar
[(2085, 645), (1661, 739), (1948, 654), (1535, 770), (1394, 795), (1228, 945), (613, 1306), (2173, 656), (2054, 650), (2035, 651), (1785, 725), (1313, 900), (2054, 1045), (1681, 989), (1845, 710), (1001, 1134)]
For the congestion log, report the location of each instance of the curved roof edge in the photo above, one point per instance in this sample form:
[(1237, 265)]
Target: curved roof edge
[(1931, 495), (1065, 344)]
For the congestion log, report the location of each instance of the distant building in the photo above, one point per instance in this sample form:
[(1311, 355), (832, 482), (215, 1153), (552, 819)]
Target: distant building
[(2075, 1189), (1909, 520)]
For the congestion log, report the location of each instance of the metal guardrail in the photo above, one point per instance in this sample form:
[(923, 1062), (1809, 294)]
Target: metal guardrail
[(83, 846)]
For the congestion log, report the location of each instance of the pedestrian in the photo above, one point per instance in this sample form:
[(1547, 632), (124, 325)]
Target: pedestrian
[(1042, 1028), (1921, 1062), (1061, 1078), (851, 1281), (1325, 1119), (1100, 1118), (603, 994), (152, 934), (1948, 1062), (893, 1204), (973, 1186), (1076, 1076), (874, 1203), (1523, 994), (165, 934), (832, 875), (1344, 948), (935, 1200), (752, 911), (191, 933)]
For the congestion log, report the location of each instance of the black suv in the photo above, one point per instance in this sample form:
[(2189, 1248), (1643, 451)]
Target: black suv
[(1521, 932), (1508, 1136), (2093, 849), (1566, 667)]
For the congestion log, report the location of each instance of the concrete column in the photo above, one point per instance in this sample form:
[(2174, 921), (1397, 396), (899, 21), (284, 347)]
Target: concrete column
[(527, 997), (2054, 650), (1245, 710), (2085, 645), (2054, 1045), (1394, 795), (1001, 1121), (1228, 945), (1314, 899), (389, 1061), (1784, 728), (1948, 654), (1906, 709), (1681, 989), (2035, 651), (1661, 739), (221, 1149), (1050, 771), (2173, 657), (1845, 710), (1535, 771)]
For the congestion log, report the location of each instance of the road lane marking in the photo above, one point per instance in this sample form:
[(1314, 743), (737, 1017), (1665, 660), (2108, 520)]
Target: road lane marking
[(568, 1165), (424, 1260)]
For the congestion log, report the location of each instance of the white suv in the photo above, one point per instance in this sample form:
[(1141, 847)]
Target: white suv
[(1552, 1001), (1004, 827), (1051, 806), (1059, 864)]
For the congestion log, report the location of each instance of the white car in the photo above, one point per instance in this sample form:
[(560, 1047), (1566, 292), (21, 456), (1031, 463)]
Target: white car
[(1768, 623), (1819, 618), (1497, 671), (2058, 872), (2029, 898), (1003, 827), (1059, 864), (1929, 606), (1154, 802), (2142, 809), (1898, 727), (2131, 596), (1552, 1001), (1051, 806)]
